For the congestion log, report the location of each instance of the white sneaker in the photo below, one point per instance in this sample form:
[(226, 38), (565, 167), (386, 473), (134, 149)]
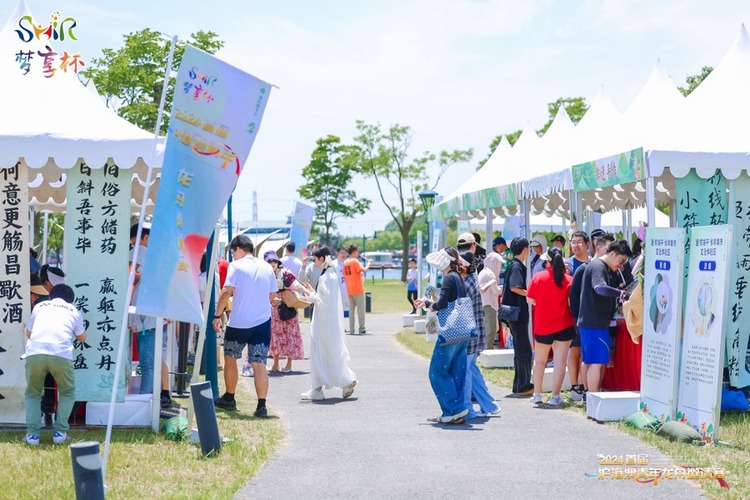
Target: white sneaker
[(31, 439), (556, 400), (536, 399), (347, 391), (59, 437), (448, 419), (313, 395), (489, 413), (247, 371)]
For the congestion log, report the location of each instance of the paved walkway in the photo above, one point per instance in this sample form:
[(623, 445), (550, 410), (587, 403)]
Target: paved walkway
[(384, 442)]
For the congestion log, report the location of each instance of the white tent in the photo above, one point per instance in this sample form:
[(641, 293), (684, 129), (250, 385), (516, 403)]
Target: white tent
[(57, 118)]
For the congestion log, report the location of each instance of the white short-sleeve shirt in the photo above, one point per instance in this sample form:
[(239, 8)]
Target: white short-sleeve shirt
[(53, 326), (253, 280), (292, 263)]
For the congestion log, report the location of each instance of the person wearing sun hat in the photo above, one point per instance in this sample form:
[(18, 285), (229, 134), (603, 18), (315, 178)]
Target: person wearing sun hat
[(38, 292), (286, 338), (448, 363)]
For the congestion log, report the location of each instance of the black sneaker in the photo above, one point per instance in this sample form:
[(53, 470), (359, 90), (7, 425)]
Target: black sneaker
[(225, 405), (261, 412), (166, 402)]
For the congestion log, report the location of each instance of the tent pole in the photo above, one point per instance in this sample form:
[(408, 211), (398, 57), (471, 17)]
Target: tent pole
[(488, 228), (44, 239), (131, 275), (651, 201)]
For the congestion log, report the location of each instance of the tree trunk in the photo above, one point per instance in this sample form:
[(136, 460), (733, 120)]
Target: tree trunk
[(405, 230)]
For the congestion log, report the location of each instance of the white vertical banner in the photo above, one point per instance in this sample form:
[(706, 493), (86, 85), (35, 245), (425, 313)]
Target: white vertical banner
[(737, 332), (706, 299), (301, 225), (97, 227), (662, 320), (14, 291)]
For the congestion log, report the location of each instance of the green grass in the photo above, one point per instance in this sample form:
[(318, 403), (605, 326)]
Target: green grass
[(145, 465), (734, 429), (388, 296)]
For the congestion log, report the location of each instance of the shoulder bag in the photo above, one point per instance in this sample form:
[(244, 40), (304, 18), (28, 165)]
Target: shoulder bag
[(456, 322), (286, 313), (507, 312)]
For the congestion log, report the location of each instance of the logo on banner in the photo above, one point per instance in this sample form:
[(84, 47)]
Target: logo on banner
[(49, 60)]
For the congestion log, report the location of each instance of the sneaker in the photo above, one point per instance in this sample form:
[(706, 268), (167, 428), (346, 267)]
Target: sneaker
[(576, 393), (59, 437), (261, 412), (313, 395), (31, 439), (556, 400), (489, 413), (347, 391), (166, 402), (286, 370), (225, 405), (450, 419), (247, 371), (536, 399)]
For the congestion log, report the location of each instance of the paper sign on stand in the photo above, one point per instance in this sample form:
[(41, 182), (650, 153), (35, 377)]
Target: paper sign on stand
[(706, 298), (662, 320)]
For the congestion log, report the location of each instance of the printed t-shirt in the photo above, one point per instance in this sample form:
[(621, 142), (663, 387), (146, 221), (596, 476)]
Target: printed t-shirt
[(53, 325), (353, 277), (253, 280), (552, 311), (596, 310)]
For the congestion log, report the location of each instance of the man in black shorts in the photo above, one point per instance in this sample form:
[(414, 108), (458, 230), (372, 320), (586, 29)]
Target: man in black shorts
[(252, 284)]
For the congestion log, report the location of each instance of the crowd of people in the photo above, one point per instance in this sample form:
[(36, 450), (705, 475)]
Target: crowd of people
[(574, 302)]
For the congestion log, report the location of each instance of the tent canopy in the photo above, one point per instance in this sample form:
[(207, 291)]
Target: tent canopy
[(57, 118)]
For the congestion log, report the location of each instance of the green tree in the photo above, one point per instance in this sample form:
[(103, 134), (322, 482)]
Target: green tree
[(694, 80), (385, 157), (328, 177), (131, 78), (575, 106)]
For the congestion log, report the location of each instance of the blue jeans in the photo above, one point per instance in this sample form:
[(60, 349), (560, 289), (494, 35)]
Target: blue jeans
[(146, 343), (448, 377), (475, 383)]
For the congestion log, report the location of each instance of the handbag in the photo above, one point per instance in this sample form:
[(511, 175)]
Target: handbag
[(286, 313), (456, 322), (508, 313), (290, 298)]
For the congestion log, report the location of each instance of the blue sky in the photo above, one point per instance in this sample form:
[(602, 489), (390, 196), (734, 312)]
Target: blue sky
[(459, 72)]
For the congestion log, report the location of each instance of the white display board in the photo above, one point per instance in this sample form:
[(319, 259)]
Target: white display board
[(706, 298), (662, 320), (15, 304)]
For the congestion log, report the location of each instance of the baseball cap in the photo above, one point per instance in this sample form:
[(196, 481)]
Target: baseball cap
[(466, 239), (499, 241), (597, 233)]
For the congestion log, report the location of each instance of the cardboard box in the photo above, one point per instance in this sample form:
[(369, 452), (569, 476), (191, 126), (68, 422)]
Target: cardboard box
[(611, 406), (135, 411)]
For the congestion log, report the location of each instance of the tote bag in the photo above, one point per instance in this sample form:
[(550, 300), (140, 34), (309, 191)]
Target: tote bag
[(456, 322)]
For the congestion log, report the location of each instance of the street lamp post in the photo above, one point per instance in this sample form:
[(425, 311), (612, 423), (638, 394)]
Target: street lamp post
[(428, 201)]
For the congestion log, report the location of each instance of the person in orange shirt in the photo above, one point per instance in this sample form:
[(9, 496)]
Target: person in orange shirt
[(355, 288)]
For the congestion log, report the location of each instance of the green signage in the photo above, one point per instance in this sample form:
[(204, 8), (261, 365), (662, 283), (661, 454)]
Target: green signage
[(619, 169)]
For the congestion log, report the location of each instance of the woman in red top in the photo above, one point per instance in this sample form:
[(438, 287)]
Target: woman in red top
[(554, 327)]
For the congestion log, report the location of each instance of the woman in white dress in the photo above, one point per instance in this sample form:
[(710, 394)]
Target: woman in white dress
[(328, 353)]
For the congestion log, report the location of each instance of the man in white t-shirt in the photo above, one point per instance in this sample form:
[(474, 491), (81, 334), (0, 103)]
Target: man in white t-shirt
[(251, 283), (290, 261), (53, 326)]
